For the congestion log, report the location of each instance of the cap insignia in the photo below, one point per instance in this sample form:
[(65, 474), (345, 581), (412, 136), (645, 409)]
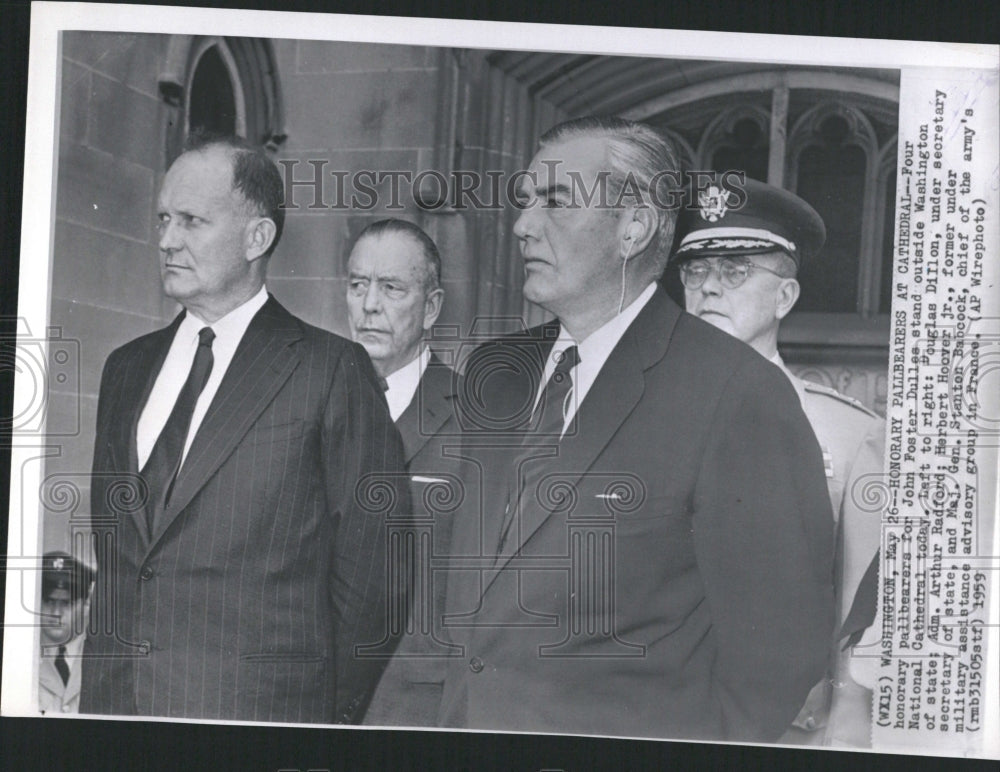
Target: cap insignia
[(714, 203)]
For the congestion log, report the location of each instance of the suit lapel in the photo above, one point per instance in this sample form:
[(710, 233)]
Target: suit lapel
[(137, 380), (522, 359), (263, 361), (429, 409), (136, 384), (613, 396)]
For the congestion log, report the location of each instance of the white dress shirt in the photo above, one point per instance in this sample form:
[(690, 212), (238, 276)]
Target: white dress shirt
[(74, 649), (403, 383), (593, 351), (229, 331)]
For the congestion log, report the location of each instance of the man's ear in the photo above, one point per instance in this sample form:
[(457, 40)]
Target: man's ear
[(260, 233), (432, 307), (788, 295), (637, 227)]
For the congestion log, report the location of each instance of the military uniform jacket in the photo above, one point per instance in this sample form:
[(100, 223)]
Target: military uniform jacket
[(53, 695), (852, 439), (667, 568)]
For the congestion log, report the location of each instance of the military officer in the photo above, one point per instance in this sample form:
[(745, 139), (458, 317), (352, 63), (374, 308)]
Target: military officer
[(66, 584), (739, 265)]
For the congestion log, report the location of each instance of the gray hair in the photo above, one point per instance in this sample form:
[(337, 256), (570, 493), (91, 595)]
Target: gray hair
[(432, 258), (642, 158)]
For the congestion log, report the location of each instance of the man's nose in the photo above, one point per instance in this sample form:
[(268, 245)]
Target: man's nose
[(372, 301), (713, 282), (524, 225), (169, 238)]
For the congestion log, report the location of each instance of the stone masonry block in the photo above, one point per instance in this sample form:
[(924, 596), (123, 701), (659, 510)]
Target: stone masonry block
[(319, 56), (74, 103), (125, 123), (100, 191), (99, 331), (362, 110), (104, 270)]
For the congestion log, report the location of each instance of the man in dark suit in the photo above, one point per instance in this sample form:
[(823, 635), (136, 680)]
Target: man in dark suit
[(238, 494), (654, 552), (394, 298)]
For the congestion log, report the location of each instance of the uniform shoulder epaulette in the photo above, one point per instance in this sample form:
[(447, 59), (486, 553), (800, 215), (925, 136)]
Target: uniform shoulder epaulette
[(817, 388)]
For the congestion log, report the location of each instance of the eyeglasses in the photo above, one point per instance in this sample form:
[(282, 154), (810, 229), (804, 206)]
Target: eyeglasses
[(732, 272)]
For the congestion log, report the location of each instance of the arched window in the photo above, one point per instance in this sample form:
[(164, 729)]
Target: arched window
[(833, 158), (221, 84), (830, 138), (212, 96), (737, 139)]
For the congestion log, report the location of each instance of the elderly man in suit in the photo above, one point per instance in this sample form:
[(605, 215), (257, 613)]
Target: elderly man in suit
[(739, 269), (238, 492), (66, 584), (654, 557), (394, 298)]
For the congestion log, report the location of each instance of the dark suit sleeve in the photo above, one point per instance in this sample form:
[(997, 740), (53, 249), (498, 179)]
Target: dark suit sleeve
[(366, 486), (92, 700), (763, 531), (106, 679), (110, 382)]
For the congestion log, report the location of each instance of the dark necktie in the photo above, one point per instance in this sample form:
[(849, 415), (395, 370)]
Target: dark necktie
[(550, 411), (547, 421), (164, 460), (863, 608), (61, 666)]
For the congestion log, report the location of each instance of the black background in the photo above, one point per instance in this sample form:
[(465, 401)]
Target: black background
[(56, 745)]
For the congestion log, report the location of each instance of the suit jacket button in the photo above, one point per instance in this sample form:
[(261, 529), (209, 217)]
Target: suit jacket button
[(147, 572), (476, 665), (144, 647)]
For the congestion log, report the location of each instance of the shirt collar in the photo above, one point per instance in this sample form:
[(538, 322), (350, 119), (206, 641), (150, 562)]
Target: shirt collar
[(74, 648), (601, 342), (595, 349), (409, 372), (233, 324), (402, 384)]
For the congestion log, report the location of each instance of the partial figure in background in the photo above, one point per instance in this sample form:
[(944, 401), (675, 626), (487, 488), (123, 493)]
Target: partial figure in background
[(66, 584), (394, 296), (739, 266)]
